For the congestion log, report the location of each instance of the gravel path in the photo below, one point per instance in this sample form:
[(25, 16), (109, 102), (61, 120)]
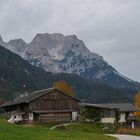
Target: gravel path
[(66, 124), (125, 137)]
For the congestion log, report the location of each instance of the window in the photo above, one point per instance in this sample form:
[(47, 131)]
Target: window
[(112, 113), (108, 113)]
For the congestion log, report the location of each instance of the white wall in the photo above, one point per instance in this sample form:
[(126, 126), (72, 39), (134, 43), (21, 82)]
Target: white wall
[(15, 118), (74, 116), (31, 116), (18, 117), (111, 119), (108, 120), (122, 117)]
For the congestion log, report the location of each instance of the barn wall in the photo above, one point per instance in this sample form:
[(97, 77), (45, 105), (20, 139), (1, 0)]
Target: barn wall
[(54, 101), (55, 117)]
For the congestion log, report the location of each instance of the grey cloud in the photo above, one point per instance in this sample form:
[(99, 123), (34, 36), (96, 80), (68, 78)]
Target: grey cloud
[(108, 27)]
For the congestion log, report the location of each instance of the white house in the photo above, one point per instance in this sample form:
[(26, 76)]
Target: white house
[(108, 111), (126, 110)]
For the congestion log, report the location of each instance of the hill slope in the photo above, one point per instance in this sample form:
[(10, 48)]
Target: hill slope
[(14, 72)]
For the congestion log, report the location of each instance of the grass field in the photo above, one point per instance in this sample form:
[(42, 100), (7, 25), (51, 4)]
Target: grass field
[(76, 131)]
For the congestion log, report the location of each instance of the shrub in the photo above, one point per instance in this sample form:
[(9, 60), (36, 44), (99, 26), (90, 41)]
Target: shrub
[(109, 128), (129, 131), (93, 114)]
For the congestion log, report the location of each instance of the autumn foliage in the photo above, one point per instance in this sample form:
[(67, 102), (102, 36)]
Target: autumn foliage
[(137, 103), (65, 87)]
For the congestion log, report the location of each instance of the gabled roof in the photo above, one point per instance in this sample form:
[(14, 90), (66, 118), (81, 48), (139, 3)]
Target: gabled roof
[(122, 107), (32, 96), (96, 106)]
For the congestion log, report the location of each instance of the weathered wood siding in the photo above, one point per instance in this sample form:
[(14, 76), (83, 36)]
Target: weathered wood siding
[(54, 101), (24, 107), (55, 117)]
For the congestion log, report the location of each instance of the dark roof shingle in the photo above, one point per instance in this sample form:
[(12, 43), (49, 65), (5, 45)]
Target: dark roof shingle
[(31, 96), (122, 107)]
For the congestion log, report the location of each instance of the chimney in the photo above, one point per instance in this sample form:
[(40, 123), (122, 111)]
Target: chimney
[(24, 91)]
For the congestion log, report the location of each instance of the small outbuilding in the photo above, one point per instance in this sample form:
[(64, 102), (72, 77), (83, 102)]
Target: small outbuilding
[(108, 111), (126, 111)]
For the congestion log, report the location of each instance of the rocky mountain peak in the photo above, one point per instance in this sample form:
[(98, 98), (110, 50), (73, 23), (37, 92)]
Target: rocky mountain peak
[(46, 37), (67, 54), (72, 37), (18, 44), (16, 41)]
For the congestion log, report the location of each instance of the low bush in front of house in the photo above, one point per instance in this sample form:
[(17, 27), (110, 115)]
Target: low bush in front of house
[(93, 114), (112, 128), (109, 128)]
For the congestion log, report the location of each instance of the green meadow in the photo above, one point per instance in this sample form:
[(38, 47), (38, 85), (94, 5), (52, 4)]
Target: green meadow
[(75, 131)]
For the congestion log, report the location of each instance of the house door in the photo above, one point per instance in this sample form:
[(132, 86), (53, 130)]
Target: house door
[(35, 117)]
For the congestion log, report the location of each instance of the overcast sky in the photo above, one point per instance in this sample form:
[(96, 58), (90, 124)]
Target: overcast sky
[(108, 27)]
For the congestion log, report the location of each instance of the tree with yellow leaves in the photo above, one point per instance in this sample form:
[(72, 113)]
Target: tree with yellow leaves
[(64, 87), (137, 103)]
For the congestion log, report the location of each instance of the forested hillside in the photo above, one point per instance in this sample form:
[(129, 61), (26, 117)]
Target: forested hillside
[(14, 72)]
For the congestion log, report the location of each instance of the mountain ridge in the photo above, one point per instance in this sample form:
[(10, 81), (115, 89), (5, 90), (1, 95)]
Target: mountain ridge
[(67, 54), (15, 72)]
